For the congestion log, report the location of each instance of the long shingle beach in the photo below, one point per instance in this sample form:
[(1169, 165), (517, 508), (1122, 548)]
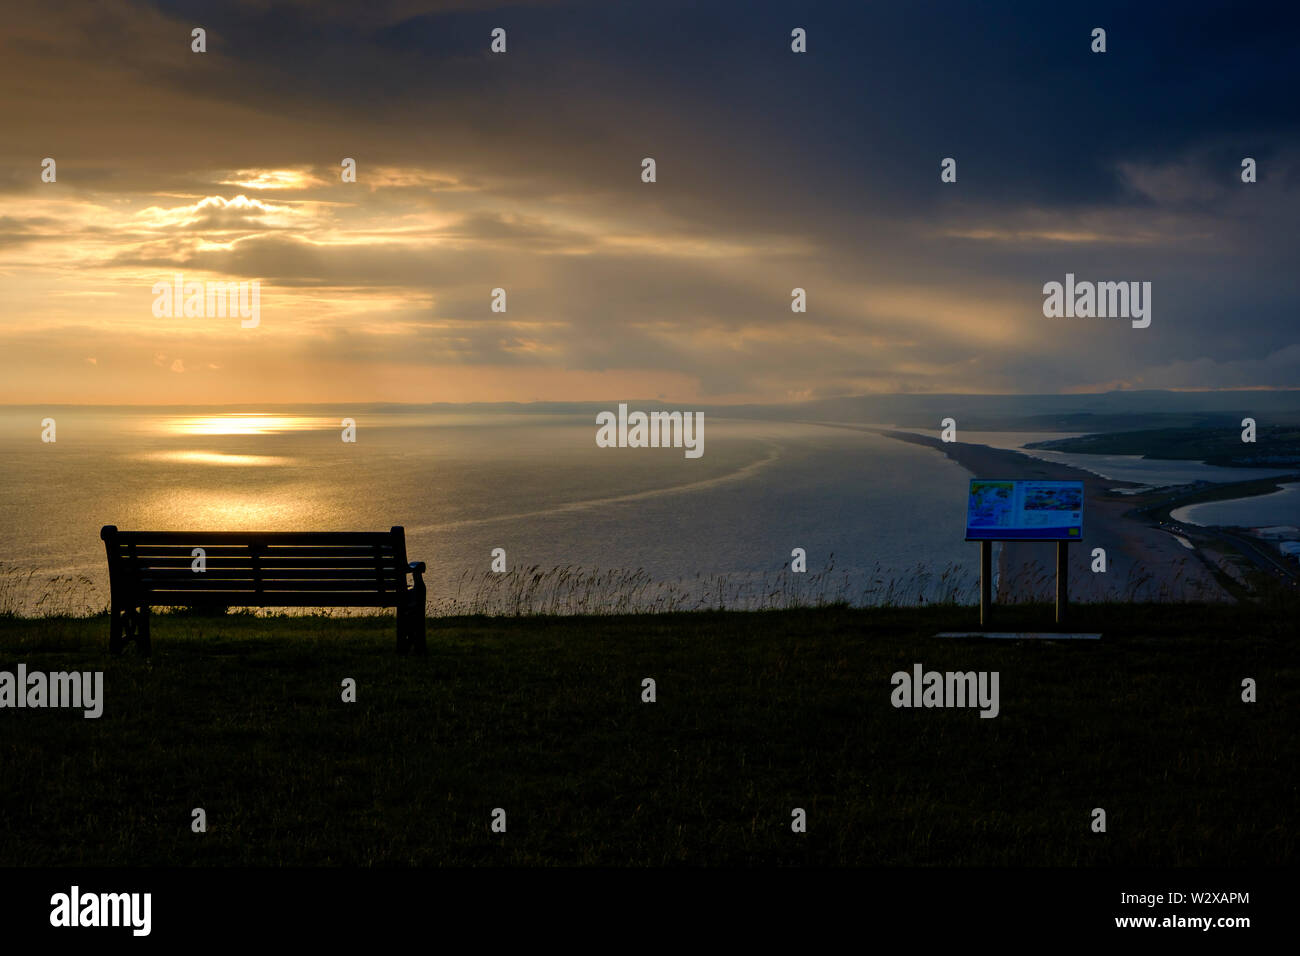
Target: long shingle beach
[(1143, 562)]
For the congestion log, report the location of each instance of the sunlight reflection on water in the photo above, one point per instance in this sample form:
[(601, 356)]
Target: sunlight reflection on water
[(215, 458), (242, 423)]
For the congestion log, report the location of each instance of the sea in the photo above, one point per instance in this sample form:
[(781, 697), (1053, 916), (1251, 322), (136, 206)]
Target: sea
[(1280, 508), (583, 528)]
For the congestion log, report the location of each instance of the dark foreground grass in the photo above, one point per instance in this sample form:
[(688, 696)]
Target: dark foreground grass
[(757, 713)]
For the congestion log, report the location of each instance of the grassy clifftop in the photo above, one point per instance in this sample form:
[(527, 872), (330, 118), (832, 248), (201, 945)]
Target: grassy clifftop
[(756, 714)]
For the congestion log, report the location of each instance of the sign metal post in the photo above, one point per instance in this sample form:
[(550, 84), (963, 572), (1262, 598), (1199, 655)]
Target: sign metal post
[(1062, 580), (986, 584)]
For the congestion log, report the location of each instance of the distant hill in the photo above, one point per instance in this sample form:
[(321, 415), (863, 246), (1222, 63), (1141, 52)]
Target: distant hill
[(1109, 411), (1274, 446), (1106, 411)]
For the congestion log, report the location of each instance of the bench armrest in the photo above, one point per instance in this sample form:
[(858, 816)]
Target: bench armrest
[(415, 567)]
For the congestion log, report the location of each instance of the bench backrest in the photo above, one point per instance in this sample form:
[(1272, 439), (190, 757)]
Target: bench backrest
[(257, 569)]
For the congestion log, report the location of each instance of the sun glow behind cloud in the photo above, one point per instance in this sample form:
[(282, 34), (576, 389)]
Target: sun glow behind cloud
[(272, 179)]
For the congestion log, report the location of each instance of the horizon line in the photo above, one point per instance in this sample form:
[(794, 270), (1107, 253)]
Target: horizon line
[(660, 401)]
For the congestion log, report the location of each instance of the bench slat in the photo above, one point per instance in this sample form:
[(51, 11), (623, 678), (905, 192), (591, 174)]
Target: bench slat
[(171, 587), (257, 537), (248, 587), (278, 599), (225, 551), (139, 565), (183, 576), (183, 579)]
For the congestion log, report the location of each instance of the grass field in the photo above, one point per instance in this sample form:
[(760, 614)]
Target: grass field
[(757, 713)]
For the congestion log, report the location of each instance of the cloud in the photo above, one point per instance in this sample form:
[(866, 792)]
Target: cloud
[(216, 213), (1277, 369), (522, 172)]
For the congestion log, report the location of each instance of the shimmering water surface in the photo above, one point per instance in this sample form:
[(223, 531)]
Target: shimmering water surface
[(721, 526), (463, 484)]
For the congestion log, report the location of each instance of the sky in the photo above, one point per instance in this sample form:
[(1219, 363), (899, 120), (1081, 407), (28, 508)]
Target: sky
[(775, 170)]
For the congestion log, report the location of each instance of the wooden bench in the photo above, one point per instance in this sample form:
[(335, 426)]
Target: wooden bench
[(260, 569)]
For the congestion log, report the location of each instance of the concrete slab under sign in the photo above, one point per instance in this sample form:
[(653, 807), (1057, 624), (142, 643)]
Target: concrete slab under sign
[(1023, 635)]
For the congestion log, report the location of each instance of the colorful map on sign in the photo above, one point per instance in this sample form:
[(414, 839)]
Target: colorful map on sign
[(990, 503), (1009, 510)]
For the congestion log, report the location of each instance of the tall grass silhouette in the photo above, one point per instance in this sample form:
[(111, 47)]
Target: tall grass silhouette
[(577, 590), (23, 593)]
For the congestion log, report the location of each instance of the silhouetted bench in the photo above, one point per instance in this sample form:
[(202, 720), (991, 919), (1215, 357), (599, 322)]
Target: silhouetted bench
[(260, 569)]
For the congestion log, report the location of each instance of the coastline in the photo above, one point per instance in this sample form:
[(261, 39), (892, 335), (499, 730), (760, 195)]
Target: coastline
[(1261, 489), (1142, 561)]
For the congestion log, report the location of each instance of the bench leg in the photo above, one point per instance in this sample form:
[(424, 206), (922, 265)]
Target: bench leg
[(128, 624), (142, 635), (410, 628), (403, 630), (418, 601), (116, 627), (417, 628)]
